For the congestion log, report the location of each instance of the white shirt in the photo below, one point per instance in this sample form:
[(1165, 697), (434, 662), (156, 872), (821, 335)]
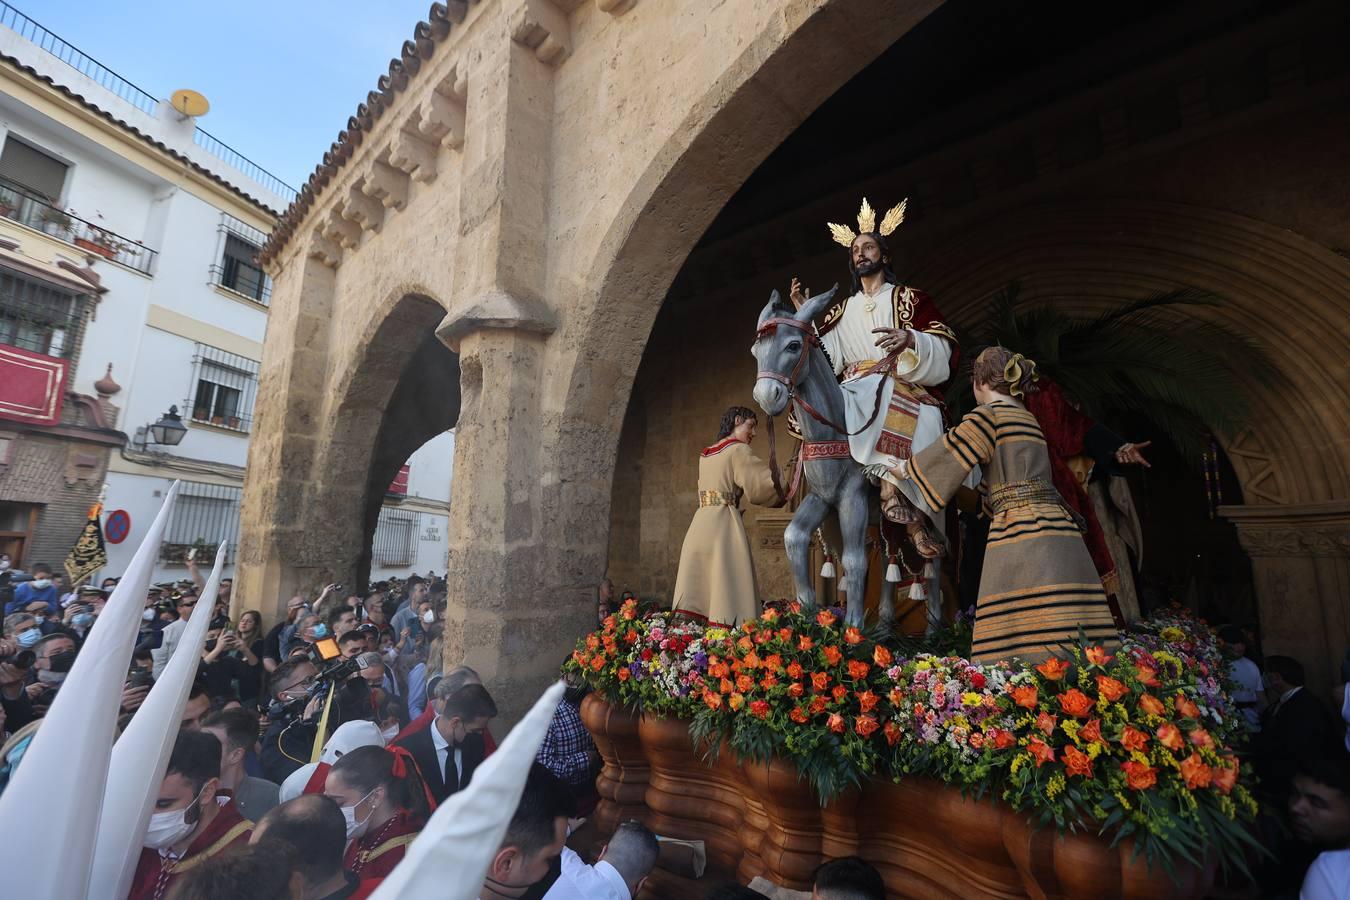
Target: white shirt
[(1248, 678), (167, 645), (579, 881), (928, 362), (1328, 877), (442, 746)]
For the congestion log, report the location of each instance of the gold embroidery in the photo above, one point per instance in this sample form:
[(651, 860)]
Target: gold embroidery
[(224, 841), (402, 840), (904, 306)]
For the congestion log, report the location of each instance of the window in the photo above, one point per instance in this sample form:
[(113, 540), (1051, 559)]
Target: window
[(38, 317), (33, 170), (224, 386), (237, 270), (204, 516), (395, 540)]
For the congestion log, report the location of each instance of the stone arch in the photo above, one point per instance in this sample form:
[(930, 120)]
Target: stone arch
[(1284, 291), (395, 390), (746, 112)]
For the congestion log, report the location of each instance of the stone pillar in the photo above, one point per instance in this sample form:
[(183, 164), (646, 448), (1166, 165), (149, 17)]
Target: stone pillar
[(1301, 563)]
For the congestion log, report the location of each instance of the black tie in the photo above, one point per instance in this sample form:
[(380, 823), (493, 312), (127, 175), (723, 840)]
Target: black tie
[(451, 773)]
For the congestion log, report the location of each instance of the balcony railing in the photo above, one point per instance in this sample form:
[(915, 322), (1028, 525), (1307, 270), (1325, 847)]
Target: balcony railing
[(28, 209), (141, 99)]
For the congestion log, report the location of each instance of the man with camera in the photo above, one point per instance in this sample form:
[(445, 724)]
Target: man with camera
[(16, 659), (55, 654)]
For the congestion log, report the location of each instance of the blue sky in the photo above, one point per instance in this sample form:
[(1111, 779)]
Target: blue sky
[(282, 76)]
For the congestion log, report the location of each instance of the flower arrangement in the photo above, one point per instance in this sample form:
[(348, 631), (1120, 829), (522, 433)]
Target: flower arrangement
[(1135, 740)]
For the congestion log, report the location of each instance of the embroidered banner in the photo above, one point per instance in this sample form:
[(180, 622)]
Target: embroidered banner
[(31, 386), (88, 555)]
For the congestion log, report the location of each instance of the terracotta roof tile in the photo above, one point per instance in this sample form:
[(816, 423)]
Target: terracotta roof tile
[(426, 35), (88, 104)]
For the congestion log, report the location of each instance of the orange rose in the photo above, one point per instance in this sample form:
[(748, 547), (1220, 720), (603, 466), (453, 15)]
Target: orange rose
[(785, 634), (773, 662), (751, 660), (1003, 738), (598, 663), (1133, 740), (593, 642), (1169, 736), (892, 731), (744, 683), (624, 674), (839, 692), (820, 681), (826, 618), (798, 715), (714, 701), (726, 686), (1196, 773), (745, 643), (817, 705), (609, 622), (895, 696), (857, 669), (760, 708), (629, 610), (1025, 696), (1053, 668), (1147, 675), (749, 626), (796, 689), (836, 723), (1098, 656), (852, 635), (1076, 762), (770, 615), (1151, 705), (1076, 703), (1110, 688), (881, 656), (736, 701), (1225, 776), (1200, 738), (768, 681), (1139, 776), (1046, 723), (805, 643), (865, 725), (867, 701), (1186, 708), (832, 655), (1091, 733), (1040, 751), (763, 637), (794, 669)]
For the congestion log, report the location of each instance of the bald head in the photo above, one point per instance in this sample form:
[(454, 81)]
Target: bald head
[(632, 852)]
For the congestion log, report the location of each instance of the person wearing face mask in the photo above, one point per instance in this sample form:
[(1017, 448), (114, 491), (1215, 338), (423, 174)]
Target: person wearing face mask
[(39, 588), (190, 822), (21, 633), (385, 804), (237, 731), (448, 752), (55, 656), (308, 629)]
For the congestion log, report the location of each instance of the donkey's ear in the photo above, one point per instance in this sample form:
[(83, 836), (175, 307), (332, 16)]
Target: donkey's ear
[(814, 307), (774, 308)]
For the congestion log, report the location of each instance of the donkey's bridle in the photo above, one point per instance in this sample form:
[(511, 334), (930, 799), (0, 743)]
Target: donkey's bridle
[(811, 449)]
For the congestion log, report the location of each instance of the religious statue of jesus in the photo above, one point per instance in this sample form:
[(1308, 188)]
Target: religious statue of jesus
[(893, 352)]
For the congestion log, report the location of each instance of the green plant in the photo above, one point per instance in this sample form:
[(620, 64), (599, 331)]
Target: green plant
[(1153, 357)]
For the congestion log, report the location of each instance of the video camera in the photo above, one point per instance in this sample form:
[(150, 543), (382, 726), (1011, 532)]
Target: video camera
[(333, 670)]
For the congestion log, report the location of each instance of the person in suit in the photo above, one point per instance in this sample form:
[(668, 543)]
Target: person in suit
[(449, 750), (1296, 724)]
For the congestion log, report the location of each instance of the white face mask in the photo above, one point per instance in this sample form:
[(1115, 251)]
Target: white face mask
[(390, 733), (46, 676), (41, 583), (354, 828), (428, 617), (148, 615), (168, 828)]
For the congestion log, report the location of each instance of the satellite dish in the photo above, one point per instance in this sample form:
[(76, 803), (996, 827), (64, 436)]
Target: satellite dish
[(189, 103)]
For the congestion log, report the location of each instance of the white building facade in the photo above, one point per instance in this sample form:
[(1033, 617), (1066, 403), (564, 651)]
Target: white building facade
[(98, 175)]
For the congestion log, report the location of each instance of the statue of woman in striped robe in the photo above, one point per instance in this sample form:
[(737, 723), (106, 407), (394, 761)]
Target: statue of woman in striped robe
[(1039, 585)]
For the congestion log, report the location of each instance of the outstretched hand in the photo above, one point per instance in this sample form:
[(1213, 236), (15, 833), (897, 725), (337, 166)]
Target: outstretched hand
[(1129, 454), (894, 340), (797, 294)]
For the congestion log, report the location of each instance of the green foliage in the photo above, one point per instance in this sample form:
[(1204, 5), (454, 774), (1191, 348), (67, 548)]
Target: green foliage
[(1153, 358)]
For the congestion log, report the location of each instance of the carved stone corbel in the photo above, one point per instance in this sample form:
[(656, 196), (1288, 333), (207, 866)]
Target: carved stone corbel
[(441, 119), (336, 228), (324, 250), (363, 209), (413, 155), (387, 185), (542, 26)]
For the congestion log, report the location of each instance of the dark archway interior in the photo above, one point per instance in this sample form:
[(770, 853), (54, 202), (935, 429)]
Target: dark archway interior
[(969, 67), (424, 404)]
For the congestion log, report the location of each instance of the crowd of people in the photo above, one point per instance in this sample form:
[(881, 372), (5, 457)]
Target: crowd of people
[(360, 676)]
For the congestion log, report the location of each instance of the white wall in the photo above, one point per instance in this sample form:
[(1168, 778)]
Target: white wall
[(431, 466), (141, 496)]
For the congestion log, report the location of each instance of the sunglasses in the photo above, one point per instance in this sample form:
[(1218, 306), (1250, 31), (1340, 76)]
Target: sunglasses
[(187, 603)]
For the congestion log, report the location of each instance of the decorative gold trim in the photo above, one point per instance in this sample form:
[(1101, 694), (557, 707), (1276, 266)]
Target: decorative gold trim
[(867, 223), (393, 843), (229, 837)]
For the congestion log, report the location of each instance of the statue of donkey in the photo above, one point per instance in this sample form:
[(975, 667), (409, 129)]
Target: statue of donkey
[(792, 366)]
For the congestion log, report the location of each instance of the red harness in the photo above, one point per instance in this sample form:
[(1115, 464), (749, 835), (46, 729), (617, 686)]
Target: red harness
[(812, 450)]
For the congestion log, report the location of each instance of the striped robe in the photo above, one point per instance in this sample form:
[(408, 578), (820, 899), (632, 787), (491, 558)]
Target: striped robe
[(1038, 585)]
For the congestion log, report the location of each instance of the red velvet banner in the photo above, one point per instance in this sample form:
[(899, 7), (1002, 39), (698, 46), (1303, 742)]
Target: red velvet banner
[(31, 386)]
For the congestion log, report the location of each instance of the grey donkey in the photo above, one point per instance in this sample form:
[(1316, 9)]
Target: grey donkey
[(792, 366)]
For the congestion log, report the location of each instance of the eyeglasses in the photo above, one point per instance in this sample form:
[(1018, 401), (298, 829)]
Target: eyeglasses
[(188, 603)]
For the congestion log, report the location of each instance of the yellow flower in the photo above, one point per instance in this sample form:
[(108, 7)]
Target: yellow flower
[(1094, 750), (1054, 786), (970, 698), (923, 664), (1123, 801)]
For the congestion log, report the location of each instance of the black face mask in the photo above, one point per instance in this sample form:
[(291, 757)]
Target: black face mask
[(61, 662), (210, 645)]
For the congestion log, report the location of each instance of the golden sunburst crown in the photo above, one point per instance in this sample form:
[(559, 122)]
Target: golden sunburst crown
[(867, 222)]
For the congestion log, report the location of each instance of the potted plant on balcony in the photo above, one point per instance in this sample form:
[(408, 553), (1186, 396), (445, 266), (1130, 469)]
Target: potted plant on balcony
[(105, 243), (56, 222)]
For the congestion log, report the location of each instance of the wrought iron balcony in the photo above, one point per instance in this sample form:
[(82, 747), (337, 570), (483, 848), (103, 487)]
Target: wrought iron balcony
[(29, 209)]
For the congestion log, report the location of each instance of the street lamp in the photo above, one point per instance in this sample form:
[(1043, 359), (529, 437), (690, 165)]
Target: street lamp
[(168, 431)]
